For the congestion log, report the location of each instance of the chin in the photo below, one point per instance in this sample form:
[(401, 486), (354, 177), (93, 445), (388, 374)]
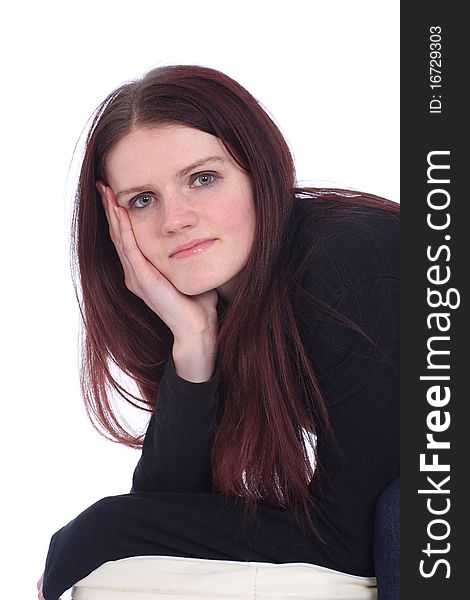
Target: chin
[(193, 288), (199, 286)]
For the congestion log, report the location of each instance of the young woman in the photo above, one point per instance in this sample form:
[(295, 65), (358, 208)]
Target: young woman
[(259, 321)]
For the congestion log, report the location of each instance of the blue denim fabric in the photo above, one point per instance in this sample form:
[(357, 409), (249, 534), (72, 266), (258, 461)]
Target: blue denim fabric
[(387, 543)]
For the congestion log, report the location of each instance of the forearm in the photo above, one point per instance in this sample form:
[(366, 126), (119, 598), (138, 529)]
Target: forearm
[(176, 456)]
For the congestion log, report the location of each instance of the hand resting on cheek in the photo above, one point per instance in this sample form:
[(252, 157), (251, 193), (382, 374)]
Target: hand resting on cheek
[(192, 319)]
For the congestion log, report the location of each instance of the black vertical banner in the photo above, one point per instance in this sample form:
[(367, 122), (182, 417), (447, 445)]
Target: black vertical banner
[(435, 246)]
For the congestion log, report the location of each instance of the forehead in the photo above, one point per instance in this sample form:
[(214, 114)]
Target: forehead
[(166, 149)]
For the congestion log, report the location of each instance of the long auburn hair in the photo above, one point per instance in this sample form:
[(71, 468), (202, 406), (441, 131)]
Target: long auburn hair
[(269, 391)]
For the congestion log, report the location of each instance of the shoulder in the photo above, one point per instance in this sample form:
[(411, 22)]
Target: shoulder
[(348, 286), (342, 245)]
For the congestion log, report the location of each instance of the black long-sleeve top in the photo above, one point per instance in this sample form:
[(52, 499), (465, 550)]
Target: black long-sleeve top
[(356, 271)]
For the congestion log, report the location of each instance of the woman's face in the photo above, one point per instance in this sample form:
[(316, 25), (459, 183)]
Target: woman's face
[(179, 184)]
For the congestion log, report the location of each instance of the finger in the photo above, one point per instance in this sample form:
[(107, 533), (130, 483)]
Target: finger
[(101, 187), (109, 202), (135, 265), (39, 586), (110, 197), (129, 246), (111, 209), (132, 260)]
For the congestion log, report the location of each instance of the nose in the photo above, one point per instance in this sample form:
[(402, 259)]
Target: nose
[(177, 214)]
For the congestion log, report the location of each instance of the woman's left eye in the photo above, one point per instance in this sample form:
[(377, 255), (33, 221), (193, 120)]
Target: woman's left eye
[(204, 179)]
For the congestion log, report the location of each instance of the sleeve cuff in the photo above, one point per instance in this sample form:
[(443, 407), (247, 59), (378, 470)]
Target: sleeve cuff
[(181, 400)]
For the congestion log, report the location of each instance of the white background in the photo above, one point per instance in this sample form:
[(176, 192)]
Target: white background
[(328, 72)]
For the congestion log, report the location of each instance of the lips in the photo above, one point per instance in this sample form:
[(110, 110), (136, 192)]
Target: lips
[(192, 247)]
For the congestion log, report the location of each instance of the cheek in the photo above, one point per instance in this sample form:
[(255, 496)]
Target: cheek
[(243, 228), (143, 224), (238, 220), (146, 237)]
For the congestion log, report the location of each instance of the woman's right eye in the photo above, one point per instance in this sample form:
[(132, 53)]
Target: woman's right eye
[(142, 200)]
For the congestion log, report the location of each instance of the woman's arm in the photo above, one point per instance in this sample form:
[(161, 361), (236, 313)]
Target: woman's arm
[(357, 274), (176, 456), (177, 447)]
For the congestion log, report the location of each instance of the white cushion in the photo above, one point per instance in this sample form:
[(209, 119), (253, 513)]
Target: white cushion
[(175, 578)]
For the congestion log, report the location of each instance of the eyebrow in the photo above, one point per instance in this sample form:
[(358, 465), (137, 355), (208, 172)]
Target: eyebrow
[(182, 173)]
